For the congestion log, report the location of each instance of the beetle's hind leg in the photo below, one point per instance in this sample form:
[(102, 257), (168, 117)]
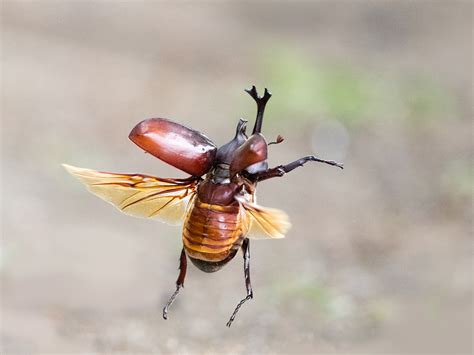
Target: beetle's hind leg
[(248, 285), (179, 283)]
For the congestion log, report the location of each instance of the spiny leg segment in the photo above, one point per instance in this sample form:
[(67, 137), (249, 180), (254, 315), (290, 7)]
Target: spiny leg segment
[(248, 285), (281, 170), (179, 283)]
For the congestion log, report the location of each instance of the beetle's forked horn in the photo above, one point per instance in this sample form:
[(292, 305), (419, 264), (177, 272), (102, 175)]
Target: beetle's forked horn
[(261, 102)]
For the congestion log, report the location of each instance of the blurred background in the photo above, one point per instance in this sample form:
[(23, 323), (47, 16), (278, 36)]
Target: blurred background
[(379, 258)]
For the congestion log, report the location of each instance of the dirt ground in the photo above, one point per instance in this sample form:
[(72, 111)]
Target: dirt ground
[(379, 257)]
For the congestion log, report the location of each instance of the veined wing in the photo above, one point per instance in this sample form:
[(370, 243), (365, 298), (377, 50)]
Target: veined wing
[(140, 195), (265, 223)]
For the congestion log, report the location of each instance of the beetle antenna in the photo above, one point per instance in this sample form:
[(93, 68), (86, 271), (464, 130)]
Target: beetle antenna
[(278, 140), (261, 102)]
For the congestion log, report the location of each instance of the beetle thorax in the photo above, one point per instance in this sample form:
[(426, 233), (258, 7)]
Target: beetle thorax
[(220, 174)]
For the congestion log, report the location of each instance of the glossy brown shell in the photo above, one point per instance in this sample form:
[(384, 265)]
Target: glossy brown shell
[(175, 144), (254, 150)]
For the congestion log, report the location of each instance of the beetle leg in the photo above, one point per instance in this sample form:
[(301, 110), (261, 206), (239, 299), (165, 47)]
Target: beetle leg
[(281, 170), (179, 283), (248, 285), (261, 102)]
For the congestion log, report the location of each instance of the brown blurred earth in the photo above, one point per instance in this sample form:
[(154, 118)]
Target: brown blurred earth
[(379, 258)]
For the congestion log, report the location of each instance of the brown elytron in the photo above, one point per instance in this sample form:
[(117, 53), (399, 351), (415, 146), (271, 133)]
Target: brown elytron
[(219, 210)]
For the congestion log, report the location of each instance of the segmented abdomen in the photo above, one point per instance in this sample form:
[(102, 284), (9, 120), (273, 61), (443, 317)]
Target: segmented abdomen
[(212, 232)]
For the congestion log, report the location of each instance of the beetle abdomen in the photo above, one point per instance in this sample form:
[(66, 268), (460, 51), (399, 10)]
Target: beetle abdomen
[(213, 234)]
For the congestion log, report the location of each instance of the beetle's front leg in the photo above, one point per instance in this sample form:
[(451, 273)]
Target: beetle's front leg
[(248, 285), (283, 169), (179, 282)]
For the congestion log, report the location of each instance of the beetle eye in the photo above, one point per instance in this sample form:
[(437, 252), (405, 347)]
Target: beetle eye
[(257, 167)]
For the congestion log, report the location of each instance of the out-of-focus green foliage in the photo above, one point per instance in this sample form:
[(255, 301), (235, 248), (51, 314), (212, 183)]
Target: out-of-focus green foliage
[(317, 294), (313, 88), (380, 310), (424, 99), (327, 301), (458, 179), (337, 90)]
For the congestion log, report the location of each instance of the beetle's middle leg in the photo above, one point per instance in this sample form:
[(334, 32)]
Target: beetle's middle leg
[(281, 170), (248, 285), (179, 283)]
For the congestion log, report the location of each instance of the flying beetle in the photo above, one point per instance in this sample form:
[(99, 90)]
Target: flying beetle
[(216, 202)]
